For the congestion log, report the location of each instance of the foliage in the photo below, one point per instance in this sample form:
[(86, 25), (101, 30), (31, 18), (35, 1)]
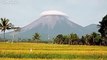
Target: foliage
[(92, 39), (4, 25), (36, 37), (103, 27), (58, 39)]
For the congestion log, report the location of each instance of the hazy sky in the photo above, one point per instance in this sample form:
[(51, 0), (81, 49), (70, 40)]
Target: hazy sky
[(82, 12)]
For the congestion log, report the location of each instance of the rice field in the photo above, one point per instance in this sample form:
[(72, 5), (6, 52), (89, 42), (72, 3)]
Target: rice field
[(42, 51)]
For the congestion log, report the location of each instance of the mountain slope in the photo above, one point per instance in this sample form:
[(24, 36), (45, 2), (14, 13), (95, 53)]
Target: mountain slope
[(91, 28), (50, 25)]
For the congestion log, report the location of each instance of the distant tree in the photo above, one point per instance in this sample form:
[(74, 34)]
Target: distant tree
[(92, 36), (74, 39), (58, 39), (82, 40), (5, 25), (92, 39), (66, 39), (95, 37), (36, 36), (87, 38), (98, 40)]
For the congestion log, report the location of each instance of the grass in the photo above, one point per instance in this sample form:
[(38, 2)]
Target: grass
[(40, 51)]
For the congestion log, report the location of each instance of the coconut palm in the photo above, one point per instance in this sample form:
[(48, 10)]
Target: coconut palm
[(103, 27), (36, 36), (4, 25)]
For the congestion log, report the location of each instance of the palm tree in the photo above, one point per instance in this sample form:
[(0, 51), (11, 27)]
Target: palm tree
[(103, 27), (5, 25), (36, 36)]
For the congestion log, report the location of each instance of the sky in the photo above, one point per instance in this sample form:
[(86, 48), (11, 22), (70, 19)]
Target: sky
[(82, 12)]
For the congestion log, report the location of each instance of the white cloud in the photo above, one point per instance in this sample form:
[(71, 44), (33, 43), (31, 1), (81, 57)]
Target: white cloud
[(83, 2), (8, 2), (53, 12)]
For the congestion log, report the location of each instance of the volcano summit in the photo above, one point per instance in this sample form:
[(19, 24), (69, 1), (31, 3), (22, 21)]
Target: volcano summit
[(50, 24)]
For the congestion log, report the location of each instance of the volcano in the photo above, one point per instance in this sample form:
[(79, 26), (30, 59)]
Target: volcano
[(50, 24)]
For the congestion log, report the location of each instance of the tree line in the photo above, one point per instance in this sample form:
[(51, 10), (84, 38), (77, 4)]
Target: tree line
[(73, 39), (88, 39)]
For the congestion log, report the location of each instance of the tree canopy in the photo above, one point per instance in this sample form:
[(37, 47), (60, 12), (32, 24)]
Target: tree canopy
[(103, 27)]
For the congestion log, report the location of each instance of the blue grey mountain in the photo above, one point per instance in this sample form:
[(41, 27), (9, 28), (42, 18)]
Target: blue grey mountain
[(50, 25)]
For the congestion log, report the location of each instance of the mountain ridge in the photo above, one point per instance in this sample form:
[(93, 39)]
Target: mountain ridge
[(51, 25)]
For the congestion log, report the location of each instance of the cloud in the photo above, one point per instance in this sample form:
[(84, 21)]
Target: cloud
[(53, 12), (83, 2), (8, 2)]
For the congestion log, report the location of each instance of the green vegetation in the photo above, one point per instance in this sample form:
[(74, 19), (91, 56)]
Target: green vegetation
[(65, 47), (92, 39), (5, 25), (103, 26), (103, 29), (36, 37)]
